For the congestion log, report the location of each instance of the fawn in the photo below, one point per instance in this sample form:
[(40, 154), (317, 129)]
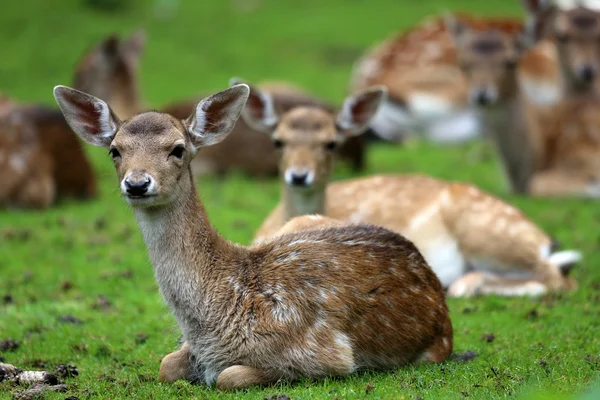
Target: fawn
[(457, 227), (306, 304)]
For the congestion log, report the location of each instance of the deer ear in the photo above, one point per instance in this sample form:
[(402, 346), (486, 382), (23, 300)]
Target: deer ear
[(88, 116), (358, 110), (540, 13), (455, 27), (216, 116), (259, 112), (133, 46)]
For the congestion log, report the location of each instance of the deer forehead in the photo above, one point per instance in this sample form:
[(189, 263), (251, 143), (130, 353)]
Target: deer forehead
[(306, 124), (154, 128)]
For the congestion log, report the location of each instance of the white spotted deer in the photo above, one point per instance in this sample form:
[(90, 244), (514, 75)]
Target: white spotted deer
[(475, 243), (310, 304)]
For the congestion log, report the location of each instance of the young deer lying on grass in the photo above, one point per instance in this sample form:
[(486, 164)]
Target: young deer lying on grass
[(306, 304), (457, 227)]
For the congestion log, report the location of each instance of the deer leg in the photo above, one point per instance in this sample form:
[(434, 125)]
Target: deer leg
[(475, 283), (175, 366), (241, 377), (556, 184)]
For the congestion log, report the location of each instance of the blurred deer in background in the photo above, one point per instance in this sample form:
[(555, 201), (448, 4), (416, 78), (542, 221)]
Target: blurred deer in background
[(25, 169), (489, 55), (427, 90), (548, 150), (475, 243), (570, 150), (308, 304)]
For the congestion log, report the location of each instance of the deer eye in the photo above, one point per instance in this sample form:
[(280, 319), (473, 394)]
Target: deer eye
[(277, 143), (114, 153), (330, 145), (178, 151)]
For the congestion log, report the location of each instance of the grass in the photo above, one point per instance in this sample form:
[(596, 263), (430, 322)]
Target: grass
[(88, 260)]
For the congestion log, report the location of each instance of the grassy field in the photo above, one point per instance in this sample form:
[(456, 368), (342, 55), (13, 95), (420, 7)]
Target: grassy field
[(76, 286)]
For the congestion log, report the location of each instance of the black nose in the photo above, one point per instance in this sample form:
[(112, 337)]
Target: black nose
[(137, 187), (482, 99), (587, 73), (299, 179)]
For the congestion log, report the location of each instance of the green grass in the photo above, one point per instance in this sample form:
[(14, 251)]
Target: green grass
[(97, 249)]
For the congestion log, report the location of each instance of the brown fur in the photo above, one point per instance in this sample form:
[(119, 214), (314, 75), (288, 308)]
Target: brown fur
[(25, 168), (310, 304)]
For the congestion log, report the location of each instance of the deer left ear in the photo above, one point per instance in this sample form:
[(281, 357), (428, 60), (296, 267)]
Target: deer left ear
[(455, 27), (216, 116), (88, 116), (358, 110)]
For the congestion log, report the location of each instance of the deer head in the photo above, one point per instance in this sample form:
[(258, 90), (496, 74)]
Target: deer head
[(308, 136), (575, 29), (152, 151), (488, 54)]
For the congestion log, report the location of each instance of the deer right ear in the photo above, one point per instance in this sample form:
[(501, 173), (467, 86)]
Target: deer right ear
[(259, 112), (454, 26), (88, 116)]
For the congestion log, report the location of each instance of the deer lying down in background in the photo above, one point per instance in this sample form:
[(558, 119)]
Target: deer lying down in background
[(306, 304), (549, 151), (427, 91), (45, 159), (25, 173), (475, 243), (249, 150)]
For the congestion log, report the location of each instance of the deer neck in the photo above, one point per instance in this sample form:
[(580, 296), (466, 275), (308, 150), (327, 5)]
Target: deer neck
[(187, 255), (507, 125), (301, 201)]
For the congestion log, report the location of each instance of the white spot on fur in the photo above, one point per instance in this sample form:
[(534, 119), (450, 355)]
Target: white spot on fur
[(542, 94), (17, 162)]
